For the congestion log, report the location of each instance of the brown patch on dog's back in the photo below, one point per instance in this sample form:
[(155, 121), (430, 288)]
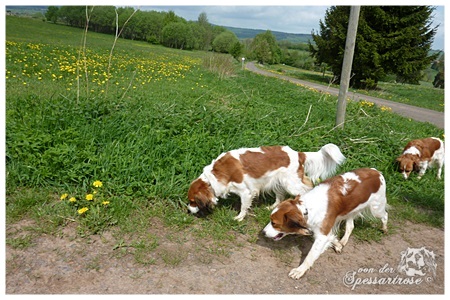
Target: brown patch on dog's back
[(256, 164), (301, 170), (228, 169), (356, 194), (426, 147)]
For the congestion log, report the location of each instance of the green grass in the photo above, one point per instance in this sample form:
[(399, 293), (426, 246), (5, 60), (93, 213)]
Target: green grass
[(424, 95), (147, 125)]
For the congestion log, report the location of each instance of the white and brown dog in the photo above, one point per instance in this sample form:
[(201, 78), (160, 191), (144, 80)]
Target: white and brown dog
[(319, 212), (420, 155), (247, 172)]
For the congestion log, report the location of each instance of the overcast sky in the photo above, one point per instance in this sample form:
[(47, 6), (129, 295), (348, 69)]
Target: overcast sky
[(284, 18)]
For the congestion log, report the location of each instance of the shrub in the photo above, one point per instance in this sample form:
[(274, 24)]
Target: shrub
[(220, 64)]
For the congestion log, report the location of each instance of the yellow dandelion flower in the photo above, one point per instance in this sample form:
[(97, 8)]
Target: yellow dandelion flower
[(72, 199), (105, 202), (97, 183), (64, 196), (83, 210), (89, 197)]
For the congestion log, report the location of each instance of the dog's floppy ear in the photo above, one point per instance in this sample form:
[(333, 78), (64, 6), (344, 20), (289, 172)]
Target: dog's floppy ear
[(203, 201), (201, 193), (293, 223), (295, 219)]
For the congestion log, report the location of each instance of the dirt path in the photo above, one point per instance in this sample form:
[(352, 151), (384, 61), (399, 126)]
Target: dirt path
[(71, 265), (414, 112)]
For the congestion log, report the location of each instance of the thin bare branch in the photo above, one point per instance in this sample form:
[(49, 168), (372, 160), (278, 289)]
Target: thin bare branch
[(116, 37)]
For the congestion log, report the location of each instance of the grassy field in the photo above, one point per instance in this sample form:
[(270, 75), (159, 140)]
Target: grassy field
[(106, 141), (424, 95)]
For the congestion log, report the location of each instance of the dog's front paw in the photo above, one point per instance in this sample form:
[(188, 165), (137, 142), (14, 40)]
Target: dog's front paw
[(297, 273), (239, 218), (337, 246), (272, 207)]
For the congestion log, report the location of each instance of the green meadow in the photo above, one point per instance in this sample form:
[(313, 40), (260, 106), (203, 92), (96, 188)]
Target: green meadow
[(141, 121), (425, 96)]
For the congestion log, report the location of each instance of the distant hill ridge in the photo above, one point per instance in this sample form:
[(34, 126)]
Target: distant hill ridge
[(245, 33)]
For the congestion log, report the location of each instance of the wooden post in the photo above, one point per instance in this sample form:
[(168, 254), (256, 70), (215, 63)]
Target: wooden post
[(347, 65)]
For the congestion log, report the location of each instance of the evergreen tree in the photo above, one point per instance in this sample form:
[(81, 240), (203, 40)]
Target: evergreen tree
[(390, 40)]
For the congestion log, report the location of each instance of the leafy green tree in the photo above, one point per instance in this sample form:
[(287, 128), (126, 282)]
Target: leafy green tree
[(52, 14), (103, 19), (171, 17), (439, 65), (74, 15), (151, 23), (262, 52), (148, 26), (205, 32), (265, 48), (177, 35), (124, 14), (236, 50), (390, 40), (224, 41), (197, 36)]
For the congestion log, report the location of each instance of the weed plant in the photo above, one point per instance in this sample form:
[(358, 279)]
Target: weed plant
[(148, 127), (221, 64)]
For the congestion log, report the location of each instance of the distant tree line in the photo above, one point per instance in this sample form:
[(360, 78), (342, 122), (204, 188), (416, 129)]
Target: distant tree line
[(170, 30), (390, 40), (164, 28)]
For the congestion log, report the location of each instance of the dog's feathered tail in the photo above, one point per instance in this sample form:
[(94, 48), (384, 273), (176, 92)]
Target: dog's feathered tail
[(323, 163)]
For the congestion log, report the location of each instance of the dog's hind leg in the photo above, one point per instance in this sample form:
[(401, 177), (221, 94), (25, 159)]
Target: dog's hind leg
[(384, 220), (349, 225), (379, 211), (439, 168)]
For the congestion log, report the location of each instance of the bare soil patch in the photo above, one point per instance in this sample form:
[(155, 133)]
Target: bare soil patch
[(68, 264)]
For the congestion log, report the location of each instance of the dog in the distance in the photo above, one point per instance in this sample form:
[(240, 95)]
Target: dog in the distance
[(420, 155), (320, 211), (248, 172)]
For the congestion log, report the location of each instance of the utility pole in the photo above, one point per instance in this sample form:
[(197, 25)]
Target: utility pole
[(347, 65)]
